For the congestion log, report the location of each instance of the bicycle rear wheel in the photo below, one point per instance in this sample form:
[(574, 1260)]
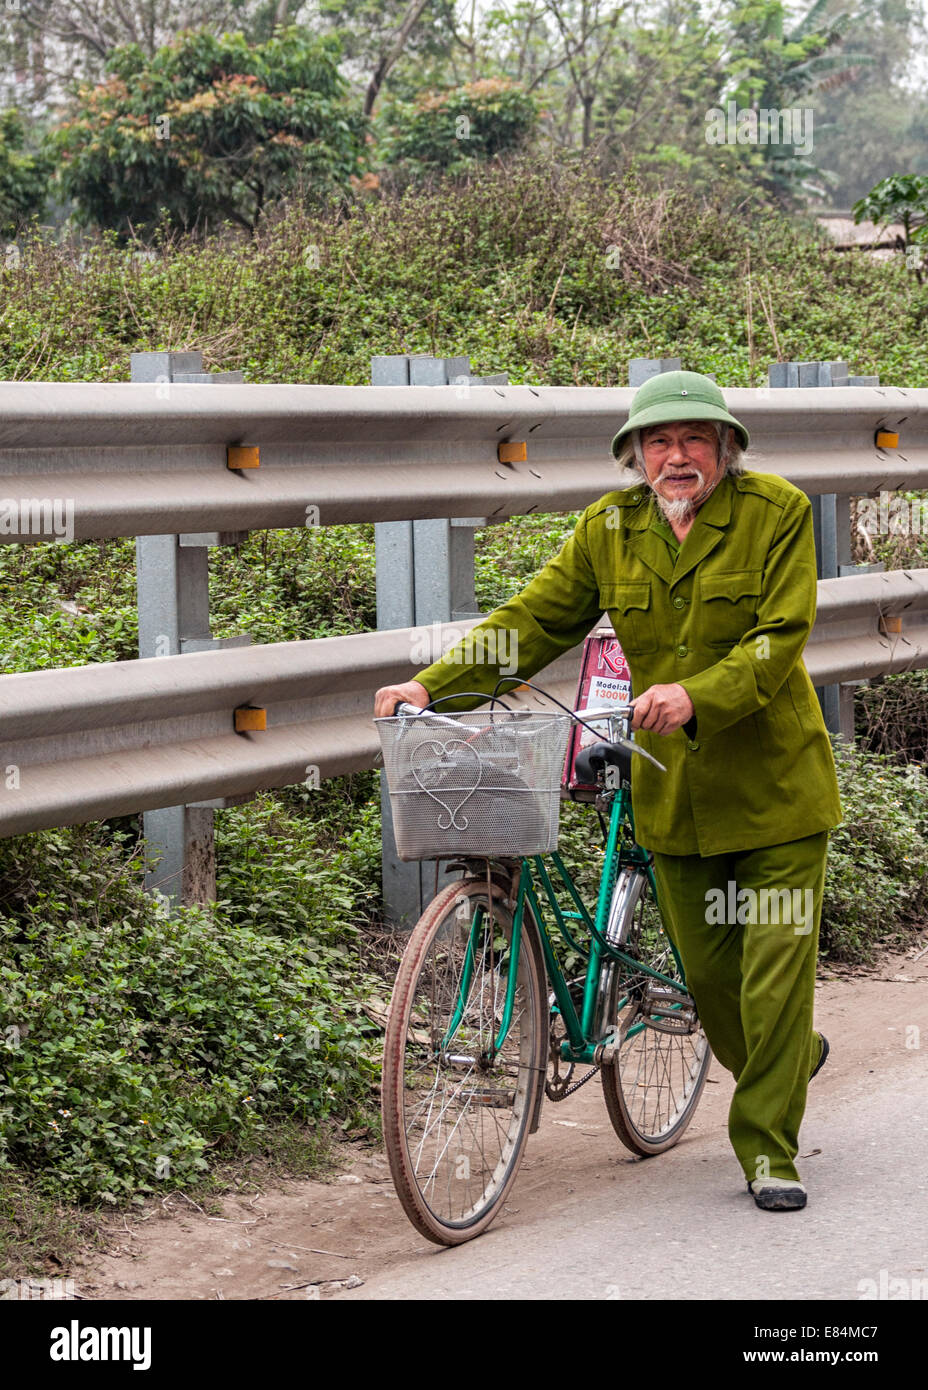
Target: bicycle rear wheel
[(456, 1113), (656, 1076)]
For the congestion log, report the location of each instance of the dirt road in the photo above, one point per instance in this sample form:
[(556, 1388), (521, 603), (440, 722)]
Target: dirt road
[(588, 1220)]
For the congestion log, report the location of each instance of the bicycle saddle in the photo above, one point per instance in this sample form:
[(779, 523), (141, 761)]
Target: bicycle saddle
[(592, 761)]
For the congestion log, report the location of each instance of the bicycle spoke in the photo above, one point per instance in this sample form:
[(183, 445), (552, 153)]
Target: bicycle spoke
[(654, 1083), (464, 1107)]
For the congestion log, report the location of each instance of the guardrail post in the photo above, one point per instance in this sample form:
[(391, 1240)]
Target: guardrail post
[(425, 574), (641, 369), (831, 522), (173, 609), (845, 568)]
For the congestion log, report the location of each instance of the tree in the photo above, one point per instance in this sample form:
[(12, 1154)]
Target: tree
[(209, 129), (776, 68), (24, 177), (56, 41), (874, 123), (900, 198), (452, 129)]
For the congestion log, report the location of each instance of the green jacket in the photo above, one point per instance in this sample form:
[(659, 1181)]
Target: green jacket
[(727, 619)]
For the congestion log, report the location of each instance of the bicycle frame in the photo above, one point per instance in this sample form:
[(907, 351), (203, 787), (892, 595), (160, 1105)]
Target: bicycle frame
[(581, 1043)]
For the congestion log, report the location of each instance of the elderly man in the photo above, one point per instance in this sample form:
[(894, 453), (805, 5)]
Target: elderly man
[(708, 575)]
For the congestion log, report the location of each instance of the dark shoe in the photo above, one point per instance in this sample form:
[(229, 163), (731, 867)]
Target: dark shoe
[(821, 1061), (777, 1194)]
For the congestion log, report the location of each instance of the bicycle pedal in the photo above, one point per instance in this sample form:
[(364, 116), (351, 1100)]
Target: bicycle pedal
[(494, 1100), (680, 1025), (669, 1010)]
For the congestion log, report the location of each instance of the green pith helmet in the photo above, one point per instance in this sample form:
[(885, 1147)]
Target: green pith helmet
[(673, 396)]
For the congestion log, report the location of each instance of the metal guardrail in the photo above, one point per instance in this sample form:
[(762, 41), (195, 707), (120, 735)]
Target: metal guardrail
[(146, 459), (869, 625), (119, 737), (418, 453), (116, 738)]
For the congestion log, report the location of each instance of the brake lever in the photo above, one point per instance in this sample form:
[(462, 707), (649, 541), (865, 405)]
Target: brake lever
[(631, 747), (619, 739)]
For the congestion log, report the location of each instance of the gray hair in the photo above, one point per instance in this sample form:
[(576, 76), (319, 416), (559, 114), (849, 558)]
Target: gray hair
[(730, 448)]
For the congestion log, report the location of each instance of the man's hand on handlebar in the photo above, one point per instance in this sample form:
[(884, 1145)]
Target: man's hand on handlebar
[(662, 709), (388, 695)]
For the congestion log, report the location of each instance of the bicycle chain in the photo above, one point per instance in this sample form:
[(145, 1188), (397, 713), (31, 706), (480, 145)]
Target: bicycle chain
[(557, 1089), (569, 1090)]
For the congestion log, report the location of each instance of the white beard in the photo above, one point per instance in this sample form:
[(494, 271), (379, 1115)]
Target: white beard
[(679, 510)]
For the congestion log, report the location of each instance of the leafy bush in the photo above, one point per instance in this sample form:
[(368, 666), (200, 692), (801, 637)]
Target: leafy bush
[(310, 870), (137, 1046), (209, 128), (69, 605), (553, 274), (453, 129), (891, 716), (900, 198), (24, 177), (876, 887)]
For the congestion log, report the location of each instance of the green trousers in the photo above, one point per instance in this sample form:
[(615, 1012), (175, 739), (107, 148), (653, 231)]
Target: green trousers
[(746, 928)]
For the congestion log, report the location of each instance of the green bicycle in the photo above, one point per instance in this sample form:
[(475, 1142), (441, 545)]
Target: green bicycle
[(483, 1022)]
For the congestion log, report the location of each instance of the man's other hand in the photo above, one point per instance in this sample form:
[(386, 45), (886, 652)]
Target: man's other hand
[(412, 693), (662, 709)]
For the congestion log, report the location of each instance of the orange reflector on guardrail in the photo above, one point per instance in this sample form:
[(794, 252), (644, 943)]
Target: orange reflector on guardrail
[(243, 456), (512, 452), (890, 622), (248, 718), (887, 439)]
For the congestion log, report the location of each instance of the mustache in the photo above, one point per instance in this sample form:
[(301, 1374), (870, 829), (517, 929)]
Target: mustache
[(670, 473)]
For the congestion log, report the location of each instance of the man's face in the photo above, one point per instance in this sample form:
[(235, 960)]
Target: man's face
[(681, 462)]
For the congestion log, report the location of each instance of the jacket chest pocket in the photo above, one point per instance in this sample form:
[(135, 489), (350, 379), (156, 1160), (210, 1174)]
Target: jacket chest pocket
[(630, 609), (728, 605)]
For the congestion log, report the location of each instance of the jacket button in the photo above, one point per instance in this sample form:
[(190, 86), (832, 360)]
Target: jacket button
[(681, 651), (692, 744), (679, 602)]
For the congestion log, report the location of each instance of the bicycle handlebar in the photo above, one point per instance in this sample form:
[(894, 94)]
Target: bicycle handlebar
[(615, 711), (579, 716)]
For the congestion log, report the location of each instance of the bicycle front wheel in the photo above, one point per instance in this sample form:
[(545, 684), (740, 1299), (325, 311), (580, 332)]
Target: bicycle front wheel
[(656, 1076), (456, 1111)]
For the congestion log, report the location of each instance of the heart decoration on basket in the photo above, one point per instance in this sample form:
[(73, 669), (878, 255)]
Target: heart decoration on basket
[(451, 762)]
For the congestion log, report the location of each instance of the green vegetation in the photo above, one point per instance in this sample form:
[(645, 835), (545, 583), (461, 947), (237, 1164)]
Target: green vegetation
[(876, 885), (209, 129), (137, 1046), (782, 71), (24, 177), (455, 129), (901, 198), (556, 275)]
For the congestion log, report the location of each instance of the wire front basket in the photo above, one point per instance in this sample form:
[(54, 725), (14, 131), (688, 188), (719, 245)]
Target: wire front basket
[(474, 782)]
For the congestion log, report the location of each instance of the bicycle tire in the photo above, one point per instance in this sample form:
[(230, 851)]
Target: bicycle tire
[(654, 1080), (452, 1170)]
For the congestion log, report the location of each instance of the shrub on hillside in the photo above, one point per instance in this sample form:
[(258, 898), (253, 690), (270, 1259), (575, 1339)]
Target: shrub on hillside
[(555, 275), (134, 1046), (451, 130), (209, 128), (891, 716), (24, 176)]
